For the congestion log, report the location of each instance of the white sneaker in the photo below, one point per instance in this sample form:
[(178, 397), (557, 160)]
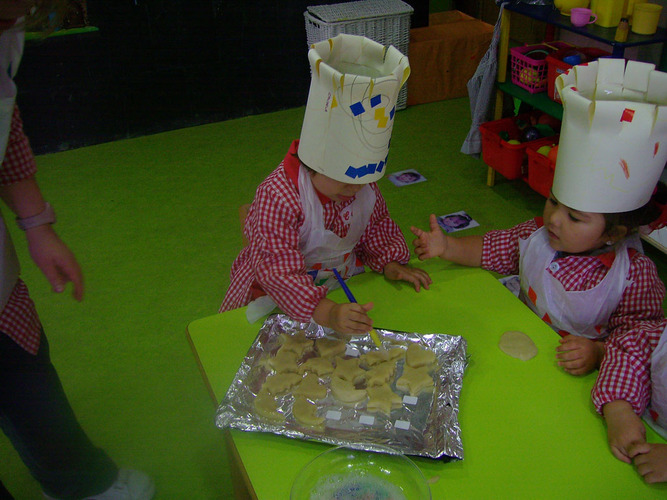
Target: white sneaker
[(130, 485)]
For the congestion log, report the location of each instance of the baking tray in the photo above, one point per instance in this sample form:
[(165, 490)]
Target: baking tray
[(426, 425)]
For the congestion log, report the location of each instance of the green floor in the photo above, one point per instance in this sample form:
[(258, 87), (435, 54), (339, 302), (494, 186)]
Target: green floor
[(154, 223)]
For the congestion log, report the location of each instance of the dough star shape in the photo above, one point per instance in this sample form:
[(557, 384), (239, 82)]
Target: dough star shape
[(417, 356), (311, 388), (330, 347), (381, 374), (280, 383), (266, 406), (415, 380), (382, 399), (518, 345), (305, 413), (284, 361), (348, 369), (345, 392), (318, 366), (373, 358), (297, 343)]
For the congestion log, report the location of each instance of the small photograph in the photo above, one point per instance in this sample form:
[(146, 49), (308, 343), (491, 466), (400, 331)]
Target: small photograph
[(457, 221), (512, 283), (405, 177)]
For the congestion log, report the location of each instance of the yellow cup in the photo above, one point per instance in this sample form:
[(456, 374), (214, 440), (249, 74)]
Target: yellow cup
[(565, 6), (609, 12), (645, 17)]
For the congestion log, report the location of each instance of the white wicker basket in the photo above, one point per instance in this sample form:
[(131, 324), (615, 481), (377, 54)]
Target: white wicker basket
[(385, 21)]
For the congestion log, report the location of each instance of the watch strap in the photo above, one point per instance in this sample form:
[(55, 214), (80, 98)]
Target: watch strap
[(46, 216)]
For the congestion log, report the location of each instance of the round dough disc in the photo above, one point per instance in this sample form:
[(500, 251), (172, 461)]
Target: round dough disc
[(518, 345)]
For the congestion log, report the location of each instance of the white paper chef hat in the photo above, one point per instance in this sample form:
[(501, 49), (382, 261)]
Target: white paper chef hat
[(351, 107), (613, 142)]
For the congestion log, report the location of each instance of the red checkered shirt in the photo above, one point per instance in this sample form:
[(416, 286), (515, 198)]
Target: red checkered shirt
[(19, 318), (634, 327), (273, 262)]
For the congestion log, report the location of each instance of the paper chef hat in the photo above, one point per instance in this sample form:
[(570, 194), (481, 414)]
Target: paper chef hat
[(351, 107), (613, 143)]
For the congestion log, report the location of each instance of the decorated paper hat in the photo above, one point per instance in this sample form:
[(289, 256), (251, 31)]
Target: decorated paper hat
[(351, 107), (613, 143)]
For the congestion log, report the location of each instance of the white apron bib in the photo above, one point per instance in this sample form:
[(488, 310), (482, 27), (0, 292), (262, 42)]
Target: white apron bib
[(657, 411), (584, 313), (11, 49), (322, 249)]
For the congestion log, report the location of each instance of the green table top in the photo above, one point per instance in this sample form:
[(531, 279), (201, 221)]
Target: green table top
[(528, 429)]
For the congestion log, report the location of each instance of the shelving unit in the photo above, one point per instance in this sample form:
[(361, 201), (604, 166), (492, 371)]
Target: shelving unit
[(554, 19), (541, 101)]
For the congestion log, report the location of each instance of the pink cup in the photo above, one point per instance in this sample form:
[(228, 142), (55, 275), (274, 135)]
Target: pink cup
[(580, 17)]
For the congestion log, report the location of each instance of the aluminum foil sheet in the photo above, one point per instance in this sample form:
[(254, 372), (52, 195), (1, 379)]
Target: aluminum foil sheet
[(426, 425)]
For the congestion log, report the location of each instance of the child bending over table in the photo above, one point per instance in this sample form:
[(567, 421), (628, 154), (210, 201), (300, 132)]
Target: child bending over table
[(581, 265), (321, 208)]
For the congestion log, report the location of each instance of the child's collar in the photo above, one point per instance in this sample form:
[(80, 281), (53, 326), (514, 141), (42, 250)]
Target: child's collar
[(291, 164), (606, 256)]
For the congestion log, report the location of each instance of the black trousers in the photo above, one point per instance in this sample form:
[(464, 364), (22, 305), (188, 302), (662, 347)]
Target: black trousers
[(38, 419)]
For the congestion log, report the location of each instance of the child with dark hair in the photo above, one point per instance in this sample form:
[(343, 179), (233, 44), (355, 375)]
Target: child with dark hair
[(581, 265), (321, 209)]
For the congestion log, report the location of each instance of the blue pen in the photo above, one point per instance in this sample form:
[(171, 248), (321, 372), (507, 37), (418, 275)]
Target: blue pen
[(350, 297)]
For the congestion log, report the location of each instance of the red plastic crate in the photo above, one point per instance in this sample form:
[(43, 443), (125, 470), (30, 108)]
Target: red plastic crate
[(505, 158), (540, 168), (530, 71), (556, 66)]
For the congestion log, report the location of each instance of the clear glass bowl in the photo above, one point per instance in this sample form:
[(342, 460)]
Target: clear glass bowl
[(345, 474)]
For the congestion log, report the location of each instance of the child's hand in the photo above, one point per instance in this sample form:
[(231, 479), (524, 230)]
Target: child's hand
[(579, 355), (625, 429), (55, 259), (431, 244), (650, 459), (399, 272), (350, 318)]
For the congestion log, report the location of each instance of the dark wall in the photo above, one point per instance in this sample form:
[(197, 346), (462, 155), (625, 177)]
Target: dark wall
[(159, 65)]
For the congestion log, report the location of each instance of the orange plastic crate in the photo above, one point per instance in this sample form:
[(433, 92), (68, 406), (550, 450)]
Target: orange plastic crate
[(556, 66), (505, 158), (540, 168)]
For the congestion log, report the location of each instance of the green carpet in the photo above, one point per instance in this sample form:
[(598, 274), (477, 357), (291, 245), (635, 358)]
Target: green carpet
[(154, 224)]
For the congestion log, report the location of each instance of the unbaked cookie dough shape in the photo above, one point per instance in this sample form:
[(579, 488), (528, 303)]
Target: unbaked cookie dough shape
[(318, 366), (375, 357), (280, 383), (518, 345), (266, 407), (381, 399), (346, 392), (381, 374), (305, 413), (415, 380), (418, 356), (297, 343), (311, 388), (284, 361), (348, 369), (330, 347)]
